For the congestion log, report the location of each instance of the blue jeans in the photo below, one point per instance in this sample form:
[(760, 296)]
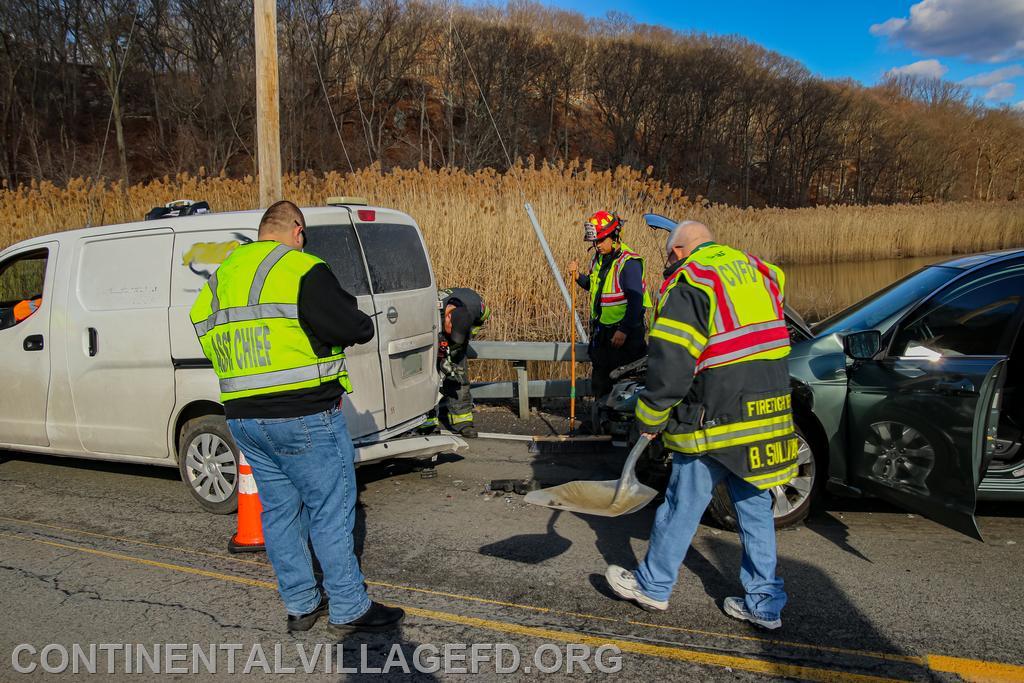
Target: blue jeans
[(689, 491), (304, 470)]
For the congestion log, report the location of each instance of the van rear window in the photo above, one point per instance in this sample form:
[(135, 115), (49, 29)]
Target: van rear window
[(395, 256), (338, 246)]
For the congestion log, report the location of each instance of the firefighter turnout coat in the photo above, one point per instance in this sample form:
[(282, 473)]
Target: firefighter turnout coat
[(717, 380)]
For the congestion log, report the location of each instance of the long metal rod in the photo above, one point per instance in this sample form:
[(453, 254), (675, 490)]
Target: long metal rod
[(572, 346), (555, 272)]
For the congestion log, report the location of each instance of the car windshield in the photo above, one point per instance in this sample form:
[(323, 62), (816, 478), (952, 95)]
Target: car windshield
[(870, 312)]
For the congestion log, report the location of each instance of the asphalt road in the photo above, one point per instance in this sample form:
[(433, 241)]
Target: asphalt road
[(96, 553)]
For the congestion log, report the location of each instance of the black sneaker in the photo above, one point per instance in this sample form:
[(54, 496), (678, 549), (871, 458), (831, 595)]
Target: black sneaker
[(304, 622), (378, 618)]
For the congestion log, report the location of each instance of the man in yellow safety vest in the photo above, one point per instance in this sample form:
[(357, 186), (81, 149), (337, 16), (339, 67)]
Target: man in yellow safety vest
[(718, 393), (274, 322)]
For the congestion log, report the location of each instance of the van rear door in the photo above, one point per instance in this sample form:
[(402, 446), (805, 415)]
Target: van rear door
[(405, 297), (332, 237)]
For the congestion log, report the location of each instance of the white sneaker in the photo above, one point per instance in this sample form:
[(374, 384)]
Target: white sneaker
[(623, 583), (737, 609)]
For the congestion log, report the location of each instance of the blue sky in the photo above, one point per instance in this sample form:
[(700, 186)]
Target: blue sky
[(977, 41)]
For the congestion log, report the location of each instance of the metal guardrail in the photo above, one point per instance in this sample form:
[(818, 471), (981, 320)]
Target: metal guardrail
[(524, 351), (523, 388)]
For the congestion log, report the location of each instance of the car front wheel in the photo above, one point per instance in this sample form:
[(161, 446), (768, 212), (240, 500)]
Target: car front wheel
[(791, 502), (208, 462)]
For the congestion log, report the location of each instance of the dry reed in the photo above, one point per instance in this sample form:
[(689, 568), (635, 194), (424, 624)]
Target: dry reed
[(479, 235)]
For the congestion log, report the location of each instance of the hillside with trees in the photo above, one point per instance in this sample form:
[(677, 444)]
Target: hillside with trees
[(138, 89)]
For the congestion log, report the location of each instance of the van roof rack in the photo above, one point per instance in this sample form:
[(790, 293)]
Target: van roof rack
[(177, 208), (346, 201)]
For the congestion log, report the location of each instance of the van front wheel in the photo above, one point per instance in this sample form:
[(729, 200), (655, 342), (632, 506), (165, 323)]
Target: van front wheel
[(208, 462)]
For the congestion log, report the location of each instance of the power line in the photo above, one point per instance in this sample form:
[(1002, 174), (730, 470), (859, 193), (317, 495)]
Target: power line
[(110, 117), (323, 85), (483, 98)]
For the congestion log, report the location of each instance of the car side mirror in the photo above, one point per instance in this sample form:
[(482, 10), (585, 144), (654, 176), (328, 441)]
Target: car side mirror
[(863, 345)]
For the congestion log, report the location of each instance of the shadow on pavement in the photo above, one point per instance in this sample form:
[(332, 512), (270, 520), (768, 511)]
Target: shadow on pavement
[(530, 548), (384, 654), (834, 531), (155, 471)]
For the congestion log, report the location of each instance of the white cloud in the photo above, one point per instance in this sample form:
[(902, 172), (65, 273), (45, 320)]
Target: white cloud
[(888, 27), (926, 68), (979, 30), (990, 78), (1019, 106), (1000, 92)]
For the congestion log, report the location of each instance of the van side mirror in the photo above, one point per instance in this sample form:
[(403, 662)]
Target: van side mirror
[(863, 345)]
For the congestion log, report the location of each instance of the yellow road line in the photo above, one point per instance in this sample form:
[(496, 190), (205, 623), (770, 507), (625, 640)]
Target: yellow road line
[(909, 659), (488, 601), (141, 560), (661, 651), (136, 541), (976, 670)]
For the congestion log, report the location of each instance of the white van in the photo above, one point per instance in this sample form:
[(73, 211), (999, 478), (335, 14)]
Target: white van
[(109, 366)]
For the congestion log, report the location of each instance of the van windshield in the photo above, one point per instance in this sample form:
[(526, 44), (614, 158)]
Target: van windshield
[(885, 304)]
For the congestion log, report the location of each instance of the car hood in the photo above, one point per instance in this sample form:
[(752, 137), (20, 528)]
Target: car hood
[(818, 360), (797, 325)]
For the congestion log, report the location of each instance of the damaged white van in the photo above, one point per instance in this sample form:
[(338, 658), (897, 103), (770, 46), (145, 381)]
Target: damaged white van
[(98, 358)]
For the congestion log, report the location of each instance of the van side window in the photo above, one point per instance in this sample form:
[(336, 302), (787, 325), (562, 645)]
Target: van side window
[(338, 246), (395, 255), (21, 287), (972, 319)]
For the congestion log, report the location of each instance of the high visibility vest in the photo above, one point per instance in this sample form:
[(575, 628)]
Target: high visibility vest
[(611, 295), (23, 309), (752, 430), (247, 320)]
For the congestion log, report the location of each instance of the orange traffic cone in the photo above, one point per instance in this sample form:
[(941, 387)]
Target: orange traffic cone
[(249, 538)]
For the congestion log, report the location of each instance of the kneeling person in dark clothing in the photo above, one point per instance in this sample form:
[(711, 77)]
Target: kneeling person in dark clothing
[(463, 313)]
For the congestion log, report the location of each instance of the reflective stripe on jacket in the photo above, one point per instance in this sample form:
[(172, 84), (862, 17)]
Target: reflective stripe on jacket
[(247, 320), (612, 296), (717, 381)]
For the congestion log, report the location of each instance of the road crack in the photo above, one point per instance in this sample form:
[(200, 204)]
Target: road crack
[(54, 582)]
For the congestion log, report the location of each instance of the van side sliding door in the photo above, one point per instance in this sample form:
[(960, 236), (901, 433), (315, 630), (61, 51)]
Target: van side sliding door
[(119, 354)]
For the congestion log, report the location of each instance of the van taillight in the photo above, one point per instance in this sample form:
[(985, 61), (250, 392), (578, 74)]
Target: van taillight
[(366, 215)]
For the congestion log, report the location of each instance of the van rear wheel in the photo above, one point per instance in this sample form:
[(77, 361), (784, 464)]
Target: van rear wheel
[(208, 463)]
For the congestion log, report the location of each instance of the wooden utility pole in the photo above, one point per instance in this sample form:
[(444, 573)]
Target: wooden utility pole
[(268, 118)]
